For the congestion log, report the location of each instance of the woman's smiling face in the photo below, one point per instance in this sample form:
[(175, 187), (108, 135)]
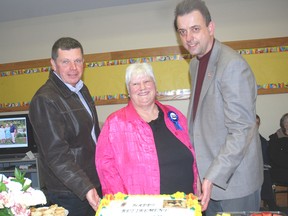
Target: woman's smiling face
[(142, 91)]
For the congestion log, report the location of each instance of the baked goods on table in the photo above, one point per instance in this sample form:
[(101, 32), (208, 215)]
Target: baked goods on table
[(53, 210)]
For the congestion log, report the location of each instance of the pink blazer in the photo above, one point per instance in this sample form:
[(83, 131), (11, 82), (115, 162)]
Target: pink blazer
[(126, 157)]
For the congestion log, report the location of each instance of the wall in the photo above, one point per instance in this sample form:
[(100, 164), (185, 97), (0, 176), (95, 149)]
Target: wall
[(270, 108), (145, 26)]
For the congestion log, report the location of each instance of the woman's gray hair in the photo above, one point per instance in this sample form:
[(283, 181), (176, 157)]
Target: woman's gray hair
[(138, 69)]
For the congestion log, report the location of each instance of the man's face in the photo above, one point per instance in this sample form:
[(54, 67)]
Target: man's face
[(258, 122), (196, 37), (69, 65), (285, 123)]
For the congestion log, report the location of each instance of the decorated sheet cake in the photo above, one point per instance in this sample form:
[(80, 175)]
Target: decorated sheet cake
[(149, 205)]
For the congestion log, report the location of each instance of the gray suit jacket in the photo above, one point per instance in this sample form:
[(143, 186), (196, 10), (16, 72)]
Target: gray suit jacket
[(224, 132)]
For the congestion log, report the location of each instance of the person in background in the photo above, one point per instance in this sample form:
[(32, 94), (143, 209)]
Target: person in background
[(65, 124), (278, 152), (7, 133), (221, 115), (2, 134), (266, 190), (13, 131), (144, 148)]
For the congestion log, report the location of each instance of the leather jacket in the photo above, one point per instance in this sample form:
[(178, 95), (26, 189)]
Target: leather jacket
[(62, 130)]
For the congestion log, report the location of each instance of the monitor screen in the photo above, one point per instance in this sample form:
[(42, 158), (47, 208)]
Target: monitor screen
[(16, 135)]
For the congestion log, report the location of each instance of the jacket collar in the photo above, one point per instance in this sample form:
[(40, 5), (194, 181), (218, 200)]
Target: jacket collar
[(64, 89), (132, 113)]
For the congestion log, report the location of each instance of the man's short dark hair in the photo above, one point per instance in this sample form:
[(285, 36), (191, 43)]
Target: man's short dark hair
[(65, 43), (187, 6)]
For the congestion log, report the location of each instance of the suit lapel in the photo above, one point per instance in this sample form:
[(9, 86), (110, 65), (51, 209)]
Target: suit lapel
[(209, 77), (193, 73), (210, 73)]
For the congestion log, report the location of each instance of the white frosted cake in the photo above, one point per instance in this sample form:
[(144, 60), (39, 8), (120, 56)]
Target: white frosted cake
[(149, 205)]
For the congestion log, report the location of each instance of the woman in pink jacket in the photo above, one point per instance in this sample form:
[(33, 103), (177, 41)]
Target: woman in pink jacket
[(144, 148)]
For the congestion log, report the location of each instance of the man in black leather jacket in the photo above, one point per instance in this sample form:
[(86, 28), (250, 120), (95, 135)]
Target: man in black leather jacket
[(65, 125)]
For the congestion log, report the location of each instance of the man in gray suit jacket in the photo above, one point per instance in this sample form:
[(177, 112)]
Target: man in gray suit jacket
[(221, 116)]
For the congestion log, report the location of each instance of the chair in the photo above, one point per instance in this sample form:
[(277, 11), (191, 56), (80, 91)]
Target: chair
[(276, 190)]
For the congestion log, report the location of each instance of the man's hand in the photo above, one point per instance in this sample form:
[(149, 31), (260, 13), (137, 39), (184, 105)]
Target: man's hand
[(93, 198), (206, 193), (199, 189)]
